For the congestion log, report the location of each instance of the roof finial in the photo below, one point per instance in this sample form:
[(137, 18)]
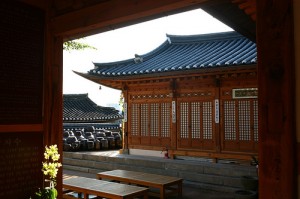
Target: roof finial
[(138, 58)]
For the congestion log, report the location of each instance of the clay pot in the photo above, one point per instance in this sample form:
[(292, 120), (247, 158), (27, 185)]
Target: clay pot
[(249, 183)]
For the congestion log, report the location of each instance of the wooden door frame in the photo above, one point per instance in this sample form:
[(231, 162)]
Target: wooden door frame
[(276, 70)]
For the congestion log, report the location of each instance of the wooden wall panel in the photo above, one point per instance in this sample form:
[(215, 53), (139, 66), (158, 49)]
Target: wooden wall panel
[(21, 99), (196, 128), (22, 44), (21, 156)]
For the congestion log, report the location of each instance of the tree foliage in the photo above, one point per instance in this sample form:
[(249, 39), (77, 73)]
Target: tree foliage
[(76, 45)]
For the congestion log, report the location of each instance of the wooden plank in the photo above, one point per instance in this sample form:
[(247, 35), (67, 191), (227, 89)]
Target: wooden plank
[(276, 70), (163, 183), (89, 186)]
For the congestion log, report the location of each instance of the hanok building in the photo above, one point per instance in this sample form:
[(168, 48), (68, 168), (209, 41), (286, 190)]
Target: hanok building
[(195, 95), (81, 112)]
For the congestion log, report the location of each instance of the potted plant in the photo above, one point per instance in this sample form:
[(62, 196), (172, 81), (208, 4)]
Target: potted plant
[(250, 184), (255, 162), (50, 169)]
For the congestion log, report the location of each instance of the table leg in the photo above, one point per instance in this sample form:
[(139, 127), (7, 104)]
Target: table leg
[(146, 195), (86, 196), (162, 192), (180, 189)]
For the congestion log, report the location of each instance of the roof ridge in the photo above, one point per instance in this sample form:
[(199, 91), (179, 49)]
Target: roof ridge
[(81, 95), (203, 37)]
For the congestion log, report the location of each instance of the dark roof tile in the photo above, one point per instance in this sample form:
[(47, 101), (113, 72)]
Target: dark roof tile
[(185, 53), (80, 108)]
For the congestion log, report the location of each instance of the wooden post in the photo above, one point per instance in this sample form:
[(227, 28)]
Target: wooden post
[(53, 108), (174, 104), (277, 137), (125, 123), (297, 67), (217, 125)]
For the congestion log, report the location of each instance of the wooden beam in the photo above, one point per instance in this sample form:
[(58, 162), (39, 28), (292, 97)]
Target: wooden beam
[(22, 128), (276, 70), (214, 155), (113, 14)]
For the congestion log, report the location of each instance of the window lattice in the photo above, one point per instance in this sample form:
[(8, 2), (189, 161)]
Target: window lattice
[(255, 118), (154, 119), (229, 120), (244, 120), (195, 119), (184, 120), (207, 120), (144, 120), (135, 119), (165, 119)]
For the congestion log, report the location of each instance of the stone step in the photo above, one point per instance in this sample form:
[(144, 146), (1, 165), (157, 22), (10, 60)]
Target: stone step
[(213, 176)]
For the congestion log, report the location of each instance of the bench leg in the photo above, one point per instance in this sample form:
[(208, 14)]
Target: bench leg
[(162, 192), (180, 189), (146, 196)]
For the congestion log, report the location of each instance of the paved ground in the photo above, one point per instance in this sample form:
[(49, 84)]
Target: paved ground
[(189, 192)]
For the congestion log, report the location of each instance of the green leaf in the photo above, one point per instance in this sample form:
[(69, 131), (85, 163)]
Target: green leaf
[(53, 193), (76, 45)]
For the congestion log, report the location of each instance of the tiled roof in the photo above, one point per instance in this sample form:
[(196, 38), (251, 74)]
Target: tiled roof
[(80, 108), (182, 53)]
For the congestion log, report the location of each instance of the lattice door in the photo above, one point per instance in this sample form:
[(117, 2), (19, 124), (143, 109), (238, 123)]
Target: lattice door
[(240, 125), (195, 125), (150, 124), (134, 125)]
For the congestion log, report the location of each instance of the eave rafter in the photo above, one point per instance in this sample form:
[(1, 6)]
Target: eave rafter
[(213, 73)]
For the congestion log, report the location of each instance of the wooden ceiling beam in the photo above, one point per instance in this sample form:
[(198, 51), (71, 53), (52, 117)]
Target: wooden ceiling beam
[(247, 4), (114, 14), (249, 7)]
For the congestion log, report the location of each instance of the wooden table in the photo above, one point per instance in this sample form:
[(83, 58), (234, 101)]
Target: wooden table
[(89, 186), (167, 185)]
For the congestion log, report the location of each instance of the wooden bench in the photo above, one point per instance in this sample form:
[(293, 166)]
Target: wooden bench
[(89, 186), (167, 185)]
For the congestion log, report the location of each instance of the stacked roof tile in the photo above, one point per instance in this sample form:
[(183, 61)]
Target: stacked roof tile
[(80, 108), (182, 53)]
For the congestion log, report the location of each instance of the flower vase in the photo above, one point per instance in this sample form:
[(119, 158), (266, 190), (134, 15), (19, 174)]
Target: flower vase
[(51, 190)]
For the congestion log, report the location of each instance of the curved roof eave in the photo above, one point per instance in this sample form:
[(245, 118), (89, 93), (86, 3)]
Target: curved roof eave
[(117, 82)]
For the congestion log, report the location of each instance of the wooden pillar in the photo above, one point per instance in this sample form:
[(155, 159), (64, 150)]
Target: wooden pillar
[(173, 118), (297, 66), (53, 97), (277, 137), (217, 123), (125, 123)]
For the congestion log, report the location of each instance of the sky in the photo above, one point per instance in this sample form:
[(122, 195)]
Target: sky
[(123, 43)]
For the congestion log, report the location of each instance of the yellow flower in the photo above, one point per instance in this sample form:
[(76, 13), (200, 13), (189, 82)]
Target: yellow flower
[(51, 165)]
